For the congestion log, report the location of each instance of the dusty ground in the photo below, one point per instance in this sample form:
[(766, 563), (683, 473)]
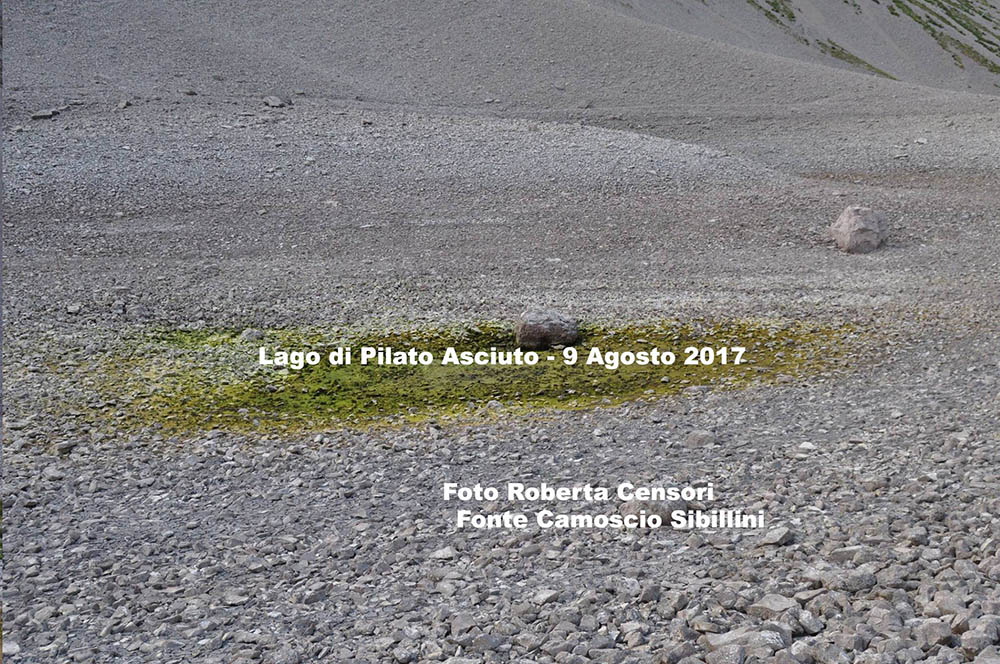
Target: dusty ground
[(698, 191)]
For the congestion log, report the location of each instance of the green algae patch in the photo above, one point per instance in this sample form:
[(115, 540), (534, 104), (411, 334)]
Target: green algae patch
[(189, 381)]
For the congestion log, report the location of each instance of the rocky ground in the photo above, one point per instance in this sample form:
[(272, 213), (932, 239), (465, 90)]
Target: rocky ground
[(881, 545), (138, 205)]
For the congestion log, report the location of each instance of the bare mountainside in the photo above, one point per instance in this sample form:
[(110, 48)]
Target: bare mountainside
[(942, 43), (503, 57)]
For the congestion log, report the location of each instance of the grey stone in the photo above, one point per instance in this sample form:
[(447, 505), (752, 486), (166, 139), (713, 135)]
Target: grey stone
[(632, 626), (235, 598), (932, 632), (285, 655), (486, 643), (946, 655), (782, 630), (859, 230), (974, 641), (607, 655), (765, 640), (53, 473), (545, 595), (529, 640), (853, 581), (831, 654), (989, 624), (779, 536), (65, 446), (894, 645), (626, 585), (740, 635), (845, 553), (772, 606), (990, 655), (949, 603), (785, 657), (704, 624), (734, 654), (885, 621), (556, 646), (802, 651), (444, 553), (675, 653), (538, 329), (811, 623), (849, 641), (916, 535), (462, 623), (251, 334), (274, 101), (699, 438), (650, 593), (405, 654)]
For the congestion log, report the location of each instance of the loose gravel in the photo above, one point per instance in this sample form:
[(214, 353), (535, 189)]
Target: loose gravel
[(140, 196)]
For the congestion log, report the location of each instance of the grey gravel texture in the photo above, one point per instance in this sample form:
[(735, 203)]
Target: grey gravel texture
[(190, 165)]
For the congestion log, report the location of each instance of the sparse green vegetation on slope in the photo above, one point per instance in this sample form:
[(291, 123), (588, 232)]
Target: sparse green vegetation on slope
[(968, 30)]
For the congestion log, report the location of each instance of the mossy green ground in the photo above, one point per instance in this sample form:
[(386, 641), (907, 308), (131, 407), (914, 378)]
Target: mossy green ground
[(190, 381)]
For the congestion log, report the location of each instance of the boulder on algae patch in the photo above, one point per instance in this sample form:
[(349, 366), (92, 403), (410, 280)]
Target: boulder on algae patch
[(538, 329)]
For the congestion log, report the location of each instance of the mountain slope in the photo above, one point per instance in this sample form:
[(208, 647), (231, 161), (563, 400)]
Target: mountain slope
[(505, 56), (942, 43)]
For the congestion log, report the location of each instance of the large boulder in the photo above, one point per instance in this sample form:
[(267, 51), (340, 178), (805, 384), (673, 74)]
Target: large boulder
[(538, 329), (859, 230)]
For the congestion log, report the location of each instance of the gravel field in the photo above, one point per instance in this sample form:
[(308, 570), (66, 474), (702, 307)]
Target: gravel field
[(439, 166)]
